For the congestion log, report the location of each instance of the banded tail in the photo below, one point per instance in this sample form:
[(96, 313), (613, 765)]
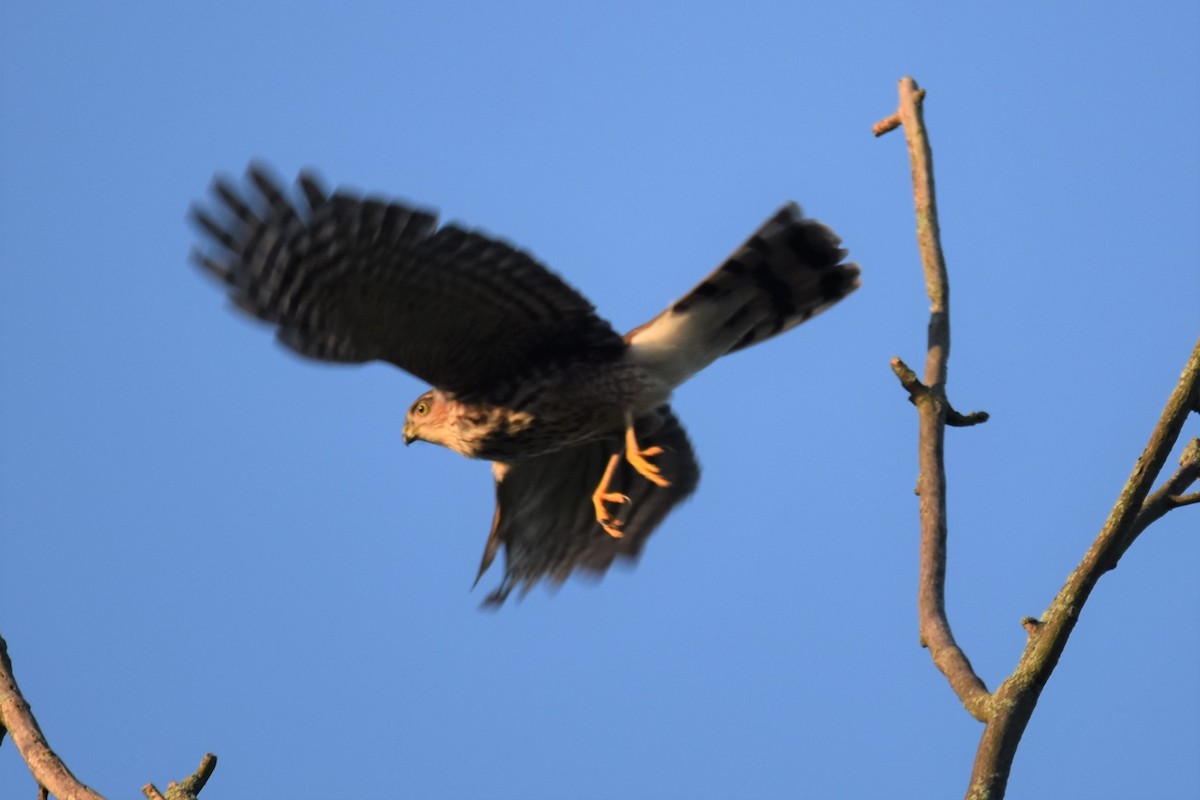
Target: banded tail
[(789, 271)]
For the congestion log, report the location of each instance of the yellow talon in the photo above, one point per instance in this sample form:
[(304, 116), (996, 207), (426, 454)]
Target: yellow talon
[(637, 457), (610, 524)]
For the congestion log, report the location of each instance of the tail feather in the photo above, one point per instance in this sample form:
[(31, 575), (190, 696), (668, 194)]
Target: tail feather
[(790, 270)]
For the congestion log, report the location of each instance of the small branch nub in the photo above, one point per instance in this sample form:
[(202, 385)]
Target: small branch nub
[(891, 123), (918, 391), (957, 420)]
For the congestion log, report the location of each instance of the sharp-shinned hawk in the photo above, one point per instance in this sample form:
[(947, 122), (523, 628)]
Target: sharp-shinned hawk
[(587, 456)]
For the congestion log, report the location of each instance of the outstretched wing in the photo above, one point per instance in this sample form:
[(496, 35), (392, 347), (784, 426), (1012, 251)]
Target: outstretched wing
[(544, 515), (354, 279)]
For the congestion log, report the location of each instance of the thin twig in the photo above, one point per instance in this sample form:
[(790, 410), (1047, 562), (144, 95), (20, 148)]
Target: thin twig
[(957, 420), (886, 124), (930, 398)]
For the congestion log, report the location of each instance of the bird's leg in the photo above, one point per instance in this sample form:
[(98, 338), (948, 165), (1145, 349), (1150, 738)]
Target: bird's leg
[(611, 525), (637, 456)]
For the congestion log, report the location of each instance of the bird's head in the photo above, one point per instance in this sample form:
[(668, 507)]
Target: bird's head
[(427, 419)]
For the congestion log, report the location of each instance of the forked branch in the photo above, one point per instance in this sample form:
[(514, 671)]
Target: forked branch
[(48, 770), (1135, 509), (1007, 711)]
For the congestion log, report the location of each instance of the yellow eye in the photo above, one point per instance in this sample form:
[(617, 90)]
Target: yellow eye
[(421, 408)]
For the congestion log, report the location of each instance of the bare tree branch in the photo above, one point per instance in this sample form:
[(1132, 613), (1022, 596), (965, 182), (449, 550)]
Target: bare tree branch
[(933, 409), (1007, 711), (1016, 698), (48, 770)]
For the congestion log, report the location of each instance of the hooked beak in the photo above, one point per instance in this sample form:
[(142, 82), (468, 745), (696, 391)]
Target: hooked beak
[(408, 437)]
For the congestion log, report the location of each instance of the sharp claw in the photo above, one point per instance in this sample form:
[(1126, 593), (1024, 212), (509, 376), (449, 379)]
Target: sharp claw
[(602, 495), (637, 457), (610, 524)]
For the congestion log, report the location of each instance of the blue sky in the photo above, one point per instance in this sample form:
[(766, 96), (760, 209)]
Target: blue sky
[(209, 544)]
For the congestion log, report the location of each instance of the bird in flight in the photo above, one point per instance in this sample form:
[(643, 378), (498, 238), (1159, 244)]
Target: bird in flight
[(587, 456)]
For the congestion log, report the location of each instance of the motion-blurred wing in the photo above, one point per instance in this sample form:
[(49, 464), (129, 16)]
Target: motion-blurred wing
[(353, 279), (544, 514)]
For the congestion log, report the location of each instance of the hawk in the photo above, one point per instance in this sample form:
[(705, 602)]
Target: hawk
[(587, 456)]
